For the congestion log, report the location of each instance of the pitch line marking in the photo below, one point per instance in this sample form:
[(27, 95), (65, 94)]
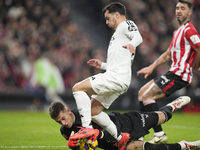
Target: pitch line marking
[(31, 147), (181, 127)]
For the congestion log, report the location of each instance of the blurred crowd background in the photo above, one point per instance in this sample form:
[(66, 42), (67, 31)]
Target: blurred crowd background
[(47, 31)]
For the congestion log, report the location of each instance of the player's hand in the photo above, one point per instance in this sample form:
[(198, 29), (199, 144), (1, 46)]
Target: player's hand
[(95, 63), (73, 143), (130, 47), (92, 139), (145, 71)]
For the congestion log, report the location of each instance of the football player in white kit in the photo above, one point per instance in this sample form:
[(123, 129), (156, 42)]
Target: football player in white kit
[(107, 87)]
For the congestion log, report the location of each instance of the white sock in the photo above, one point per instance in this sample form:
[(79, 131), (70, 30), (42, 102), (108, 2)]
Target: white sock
[(182, 145), (84, 107), (161, 133), (104, 121), (143, 146)]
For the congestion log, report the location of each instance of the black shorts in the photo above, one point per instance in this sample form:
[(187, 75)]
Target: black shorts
[(145, 121), (137, 124), (170, 83)]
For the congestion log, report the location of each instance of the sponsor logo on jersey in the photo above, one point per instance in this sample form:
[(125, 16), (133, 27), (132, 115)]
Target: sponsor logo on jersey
[(112, 39), (195, 39), (143, 116)]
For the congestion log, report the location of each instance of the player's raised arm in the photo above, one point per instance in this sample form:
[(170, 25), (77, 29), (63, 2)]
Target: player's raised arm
[(165, 57)]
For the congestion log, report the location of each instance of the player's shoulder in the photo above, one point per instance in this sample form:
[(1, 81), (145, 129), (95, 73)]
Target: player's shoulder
[(190, 27), (190, 30), (75, 112), (129, 25)]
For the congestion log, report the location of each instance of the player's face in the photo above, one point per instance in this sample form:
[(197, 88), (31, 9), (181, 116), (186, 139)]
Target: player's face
[(110, 19), (182, 13), (65, 118)]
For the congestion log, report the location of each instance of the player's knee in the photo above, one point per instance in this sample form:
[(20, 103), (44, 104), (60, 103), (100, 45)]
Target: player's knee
[(143, 97), (95, 112), (140, 93), (135, 145), (75, 88)]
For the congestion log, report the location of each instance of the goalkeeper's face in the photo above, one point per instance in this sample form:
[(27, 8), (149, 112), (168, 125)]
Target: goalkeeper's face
[(65, 118)]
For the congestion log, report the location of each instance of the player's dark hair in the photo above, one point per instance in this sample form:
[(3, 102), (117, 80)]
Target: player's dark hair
[(55, 109), (188, 2), (115, 7)]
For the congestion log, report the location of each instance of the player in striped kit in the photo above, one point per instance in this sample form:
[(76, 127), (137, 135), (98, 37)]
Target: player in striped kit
[(183, 51)]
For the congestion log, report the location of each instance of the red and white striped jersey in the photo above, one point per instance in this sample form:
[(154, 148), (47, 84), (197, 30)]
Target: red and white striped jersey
[(185, 39)]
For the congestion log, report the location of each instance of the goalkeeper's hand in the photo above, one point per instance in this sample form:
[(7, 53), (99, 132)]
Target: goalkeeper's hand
[(73, 143)]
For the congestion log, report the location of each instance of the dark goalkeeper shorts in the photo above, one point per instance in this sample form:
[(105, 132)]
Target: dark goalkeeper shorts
[(170, 83), (137, 124)]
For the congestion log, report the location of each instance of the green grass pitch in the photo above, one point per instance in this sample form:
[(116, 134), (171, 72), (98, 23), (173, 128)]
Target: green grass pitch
[(36, 130)]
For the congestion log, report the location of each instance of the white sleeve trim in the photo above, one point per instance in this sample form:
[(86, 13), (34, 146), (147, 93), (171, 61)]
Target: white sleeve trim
[(103, 66)]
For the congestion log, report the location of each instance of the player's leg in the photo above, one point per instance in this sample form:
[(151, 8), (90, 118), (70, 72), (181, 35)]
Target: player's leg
[(152, 93), (110, 91), (165, 112), (80, 91), (140, 145), (141, 92), (149, 146), (164, 85), (103, 120)]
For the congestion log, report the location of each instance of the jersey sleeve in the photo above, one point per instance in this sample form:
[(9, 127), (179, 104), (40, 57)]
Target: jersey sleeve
[(133, 33), (192, 37)]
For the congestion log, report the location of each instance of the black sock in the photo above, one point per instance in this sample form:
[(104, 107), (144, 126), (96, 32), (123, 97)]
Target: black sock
[(149, 146), (141, 106), (153, 107), (167, 111), (166, 108)]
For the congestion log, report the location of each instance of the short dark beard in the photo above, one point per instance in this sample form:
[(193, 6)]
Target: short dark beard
[(182, 20)]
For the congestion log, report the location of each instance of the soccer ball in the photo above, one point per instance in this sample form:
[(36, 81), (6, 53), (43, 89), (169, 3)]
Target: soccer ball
[(85, 146)]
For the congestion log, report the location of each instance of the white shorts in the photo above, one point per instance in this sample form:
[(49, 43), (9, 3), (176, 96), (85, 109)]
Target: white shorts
[(107, 88)]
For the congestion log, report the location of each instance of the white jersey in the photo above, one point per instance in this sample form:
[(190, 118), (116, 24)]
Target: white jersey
[(119, 59)]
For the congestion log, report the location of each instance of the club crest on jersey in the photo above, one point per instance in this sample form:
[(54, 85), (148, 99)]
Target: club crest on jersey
[(112, 39), (195, 39)]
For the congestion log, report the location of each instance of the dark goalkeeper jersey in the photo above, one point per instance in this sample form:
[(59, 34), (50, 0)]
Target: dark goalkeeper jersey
[(133, 122)]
